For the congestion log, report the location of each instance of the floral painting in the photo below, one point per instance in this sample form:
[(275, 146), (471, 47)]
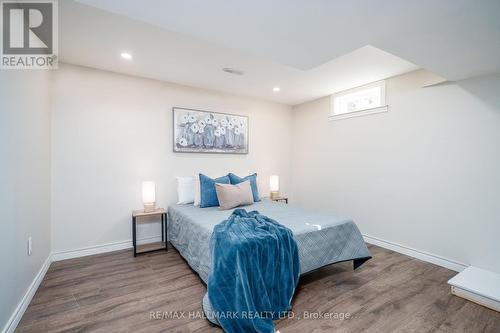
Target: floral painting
[(198, 131)]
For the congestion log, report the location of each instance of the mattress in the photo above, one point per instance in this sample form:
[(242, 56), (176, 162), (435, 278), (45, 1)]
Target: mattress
[(322, 238)]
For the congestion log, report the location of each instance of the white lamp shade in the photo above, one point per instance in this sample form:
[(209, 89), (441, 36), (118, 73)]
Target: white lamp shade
[(148, 192), (274, 183)]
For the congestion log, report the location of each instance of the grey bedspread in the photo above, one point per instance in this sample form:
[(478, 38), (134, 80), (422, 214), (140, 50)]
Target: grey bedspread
[(322, 238)]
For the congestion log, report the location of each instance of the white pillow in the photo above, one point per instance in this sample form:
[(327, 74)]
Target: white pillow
[(185, 190), (196, 187)]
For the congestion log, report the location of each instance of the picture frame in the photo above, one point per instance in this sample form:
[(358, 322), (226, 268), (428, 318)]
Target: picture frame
[(201, 131)]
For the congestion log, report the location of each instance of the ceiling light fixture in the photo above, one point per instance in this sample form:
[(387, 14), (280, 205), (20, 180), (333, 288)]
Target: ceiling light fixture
[(276, 89), (233, 71), (126, 56)]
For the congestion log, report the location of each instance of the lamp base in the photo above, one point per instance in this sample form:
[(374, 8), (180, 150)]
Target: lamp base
[(149, 207), (275, 194)]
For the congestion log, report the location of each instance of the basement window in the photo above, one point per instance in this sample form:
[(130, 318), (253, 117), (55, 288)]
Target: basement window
[(360, 101)]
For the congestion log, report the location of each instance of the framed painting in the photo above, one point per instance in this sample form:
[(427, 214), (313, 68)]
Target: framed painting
[(197, 131)]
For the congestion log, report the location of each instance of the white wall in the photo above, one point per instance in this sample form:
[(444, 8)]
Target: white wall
[(425, 175), (24, 182), (111, 131)]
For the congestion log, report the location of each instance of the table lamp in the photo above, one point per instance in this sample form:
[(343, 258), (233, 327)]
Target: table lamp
[(274, 186), (149, 196)]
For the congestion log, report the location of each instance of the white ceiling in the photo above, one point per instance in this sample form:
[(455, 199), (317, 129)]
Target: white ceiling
[(310, 48)]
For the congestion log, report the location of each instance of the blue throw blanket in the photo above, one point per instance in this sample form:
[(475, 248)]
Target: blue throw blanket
[(255, 269)]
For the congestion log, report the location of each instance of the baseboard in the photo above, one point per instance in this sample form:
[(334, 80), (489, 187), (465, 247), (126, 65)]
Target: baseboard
[(15, 318), (428, 257), (103, 248)]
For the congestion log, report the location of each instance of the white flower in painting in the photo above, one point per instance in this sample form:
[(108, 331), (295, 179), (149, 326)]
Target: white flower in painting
[(241, 124), (202, 123), (183, 142), (201, 130), (192, 118), (215, 122), (223, 122), (194, 127), (208, 120), (230, 125), (237, 131), (222, 130), (234, 120), (184, 119), (217, 132)]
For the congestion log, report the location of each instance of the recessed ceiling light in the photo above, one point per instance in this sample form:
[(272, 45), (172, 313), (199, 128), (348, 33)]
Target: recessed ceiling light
[(276, 89), (126, 56), (233, 71)]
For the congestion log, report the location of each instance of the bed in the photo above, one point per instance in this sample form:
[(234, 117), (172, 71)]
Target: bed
[(322, 239)]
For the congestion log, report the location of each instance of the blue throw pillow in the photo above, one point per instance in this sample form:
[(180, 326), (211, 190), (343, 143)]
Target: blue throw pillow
[(208, 195), (253, 183)]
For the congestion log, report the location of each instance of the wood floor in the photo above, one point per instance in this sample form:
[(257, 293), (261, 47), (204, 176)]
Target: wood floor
[(116, 292)]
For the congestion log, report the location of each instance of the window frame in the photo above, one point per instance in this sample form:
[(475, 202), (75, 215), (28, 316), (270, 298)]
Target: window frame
[(382, 108)]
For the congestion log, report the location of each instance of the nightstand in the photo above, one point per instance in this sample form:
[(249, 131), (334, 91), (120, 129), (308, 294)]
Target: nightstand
[(145, 248), (280, 199)]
